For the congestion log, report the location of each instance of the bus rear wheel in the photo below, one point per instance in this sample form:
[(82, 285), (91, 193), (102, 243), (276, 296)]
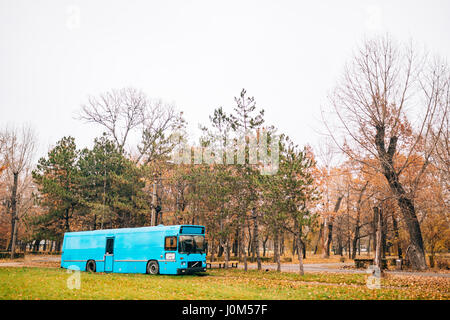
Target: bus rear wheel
[(152, 267), (90, 266)]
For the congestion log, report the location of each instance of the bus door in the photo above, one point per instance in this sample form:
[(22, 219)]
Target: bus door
[(109, 254)]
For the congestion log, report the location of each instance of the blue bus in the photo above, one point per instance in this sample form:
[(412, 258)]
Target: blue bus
[(177, 249)]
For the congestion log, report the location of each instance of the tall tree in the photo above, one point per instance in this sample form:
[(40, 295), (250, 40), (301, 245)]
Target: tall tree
[(57, 178), (373, 104), (111, 186), (245, 119), (18, 151), (291, 191), (128, 112)]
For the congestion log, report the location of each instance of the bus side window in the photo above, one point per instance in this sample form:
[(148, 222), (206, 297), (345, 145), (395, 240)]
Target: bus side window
[(109, 246), (170, 243)]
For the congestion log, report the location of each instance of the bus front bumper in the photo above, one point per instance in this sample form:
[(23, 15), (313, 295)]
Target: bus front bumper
[(191, 270)]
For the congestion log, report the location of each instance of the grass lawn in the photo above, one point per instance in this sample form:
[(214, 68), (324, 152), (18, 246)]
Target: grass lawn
[(51, 283)]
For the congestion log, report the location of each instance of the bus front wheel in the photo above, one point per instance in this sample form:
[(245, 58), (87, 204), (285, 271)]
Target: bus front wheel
[(90, 266), (152, 267)]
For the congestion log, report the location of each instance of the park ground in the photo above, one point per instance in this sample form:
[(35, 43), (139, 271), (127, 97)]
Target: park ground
[(39, 278)]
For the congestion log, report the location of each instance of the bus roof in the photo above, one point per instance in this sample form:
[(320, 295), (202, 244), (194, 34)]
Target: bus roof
[(139, 229)]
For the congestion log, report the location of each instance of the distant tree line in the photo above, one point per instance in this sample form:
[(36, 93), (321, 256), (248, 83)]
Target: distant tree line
[(379, 182)]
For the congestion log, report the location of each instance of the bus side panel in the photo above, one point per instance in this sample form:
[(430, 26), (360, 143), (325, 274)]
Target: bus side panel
[(62, 264), (166, 267), (78, 249), (169, 267), (134, 250), (125, 261), (69, 258)]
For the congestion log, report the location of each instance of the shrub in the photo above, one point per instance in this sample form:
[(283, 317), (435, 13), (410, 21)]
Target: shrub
[(5, 255), (441, 263)]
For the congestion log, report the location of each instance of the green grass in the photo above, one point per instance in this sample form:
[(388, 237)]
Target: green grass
[(51, 283)]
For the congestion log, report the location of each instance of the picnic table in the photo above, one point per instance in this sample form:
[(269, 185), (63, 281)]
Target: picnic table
[(221, 265), (366, 262)]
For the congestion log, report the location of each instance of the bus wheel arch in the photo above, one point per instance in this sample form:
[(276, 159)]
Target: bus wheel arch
[(91, 266), (152, 267)]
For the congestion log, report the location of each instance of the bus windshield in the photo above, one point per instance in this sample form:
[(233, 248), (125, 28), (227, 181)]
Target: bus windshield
[(192, 244)]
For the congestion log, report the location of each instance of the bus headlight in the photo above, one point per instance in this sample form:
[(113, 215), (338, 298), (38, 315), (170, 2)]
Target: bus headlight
[(170, 256)]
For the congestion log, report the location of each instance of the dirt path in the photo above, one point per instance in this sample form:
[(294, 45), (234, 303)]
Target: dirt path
[(333, 267), (340, 268), (33, 261)]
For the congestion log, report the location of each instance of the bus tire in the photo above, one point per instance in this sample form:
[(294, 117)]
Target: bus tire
[(152, 267), (90, 266)]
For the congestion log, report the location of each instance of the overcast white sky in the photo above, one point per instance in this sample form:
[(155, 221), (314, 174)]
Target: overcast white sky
[(196, 54)]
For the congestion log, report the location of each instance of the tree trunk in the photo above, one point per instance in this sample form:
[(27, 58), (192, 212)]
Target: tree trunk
[(300, 255), (340, 248), (303, 249), (242, 247), (14, 214), (318, 238), (221, 249), (373, 234), (255, 238), (355, 239), (265, 245), (36, 245), (13, 242), (379, 235), (236, 244), (294, 245), (383, 236), (328, 226), (66, 218), (276, 249), (239, 244), (397, 237), (327, 238), (227, 253), (416, 252), (250, 240), (213, 250)]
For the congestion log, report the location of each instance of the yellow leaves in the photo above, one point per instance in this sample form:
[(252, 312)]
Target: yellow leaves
[(45, 283)]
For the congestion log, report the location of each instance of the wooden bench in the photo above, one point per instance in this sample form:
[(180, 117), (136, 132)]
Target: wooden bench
[(364, 263), (221, 265)]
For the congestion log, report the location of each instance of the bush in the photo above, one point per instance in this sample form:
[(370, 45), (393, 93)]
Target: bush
[(441, 263), (44, 252), (7, 255)]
